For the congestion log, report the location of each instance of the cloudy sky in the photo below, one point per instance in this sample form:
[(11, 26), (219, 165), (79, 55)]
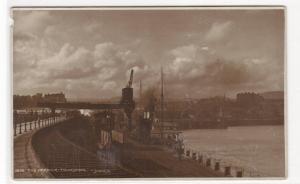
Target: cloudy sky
[(89, 53)]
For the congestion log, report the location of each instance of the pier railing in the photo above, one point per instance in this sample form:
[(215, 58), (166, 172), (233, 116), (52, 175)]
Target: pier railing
[(25, 125), (219, 165)]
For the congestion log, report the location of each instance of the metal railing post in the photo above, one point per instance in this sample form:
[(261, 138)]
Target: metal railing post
[(239, 173), (15, 129), (194, 157), (217, 166), (208, 162)]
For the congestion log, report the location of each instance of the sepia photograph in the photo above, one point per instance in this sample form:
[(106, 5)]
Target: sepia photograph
[(148, 92)]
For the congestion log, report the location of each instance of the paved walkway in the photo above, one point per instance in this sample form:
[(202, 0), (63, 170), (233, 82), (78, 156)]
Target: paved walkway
[(67, 159), (26, 163)]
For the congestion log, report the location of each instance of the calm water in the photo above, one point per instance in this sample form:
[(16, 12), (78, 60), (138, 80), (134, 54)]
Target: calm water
[(256, 148)]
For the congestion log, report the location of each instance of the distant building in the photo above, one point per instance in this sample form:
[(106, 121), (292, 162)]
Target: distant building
[(20, 102), (37, 98), (55, 97), (249, 99), (28, 101)]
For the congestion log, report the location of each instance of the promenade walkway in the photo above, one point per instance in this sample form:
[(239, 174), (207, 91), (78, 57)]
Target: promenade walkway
[(26, 163)]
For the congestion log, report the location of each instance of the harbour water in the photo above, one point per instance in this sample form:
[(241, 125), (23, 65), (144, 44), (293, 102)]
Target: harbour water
[(258, 149)]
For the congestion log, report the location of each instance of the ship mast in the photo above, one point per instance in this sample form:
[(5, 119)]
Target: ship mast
[(162, 102), (141, 93)]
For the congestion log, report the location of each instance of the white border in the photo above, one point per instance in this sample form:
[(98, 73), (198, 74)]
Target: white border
[(292, 67)]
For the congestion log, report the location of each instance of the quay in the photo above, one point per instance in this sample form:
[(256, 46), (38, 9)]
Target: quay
[(158, 161), (110, 143), (48, 153)]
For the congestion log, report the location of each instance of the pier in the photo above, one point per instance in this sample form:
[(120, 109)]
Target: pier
[(47, 150), (48, 153)]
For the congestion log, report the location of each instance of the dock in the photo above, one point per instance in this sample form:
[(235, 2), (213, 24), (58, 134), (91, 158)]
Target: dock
[(50, 153)]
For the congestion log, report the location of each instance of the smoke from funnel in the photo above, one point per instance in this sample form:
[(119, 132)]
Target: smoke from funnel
[(149, 99)]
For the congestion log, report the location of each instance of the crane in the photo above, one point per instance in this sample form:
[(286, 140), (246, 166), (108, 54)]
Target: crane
[(127, 99), (130, 79)]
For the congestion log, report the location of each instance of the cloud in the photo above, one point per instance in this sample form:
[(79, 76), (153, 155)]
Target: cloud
[(194, 69), (24, 37), (188, 62), (28, 50), (218, 31), (105, 68), (204, 48), (92, 27), (32, 22), (90, 53)]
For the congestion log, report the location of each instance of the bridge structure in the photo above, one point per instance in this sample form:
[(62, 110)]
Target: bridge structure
[(126, 103)]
